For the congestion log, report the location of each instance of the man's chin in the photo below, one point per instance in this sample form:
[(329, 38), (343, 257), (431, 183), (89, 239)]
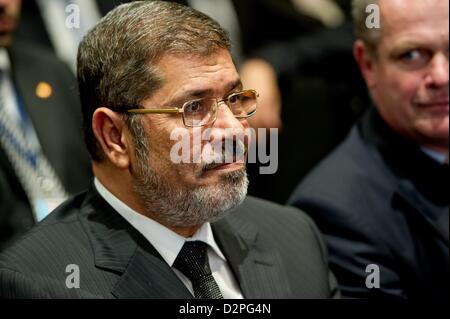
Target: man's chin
[(219, 200), (436, 138), (435, 128)]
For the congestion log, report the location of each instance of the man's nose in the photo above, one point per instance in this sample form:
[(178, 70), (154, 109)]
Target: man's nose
[(226, 118), (438, 74)]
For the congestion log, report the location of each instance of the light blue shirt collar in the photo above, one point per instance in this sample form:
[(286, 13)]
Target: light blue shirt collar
[(441, 158)]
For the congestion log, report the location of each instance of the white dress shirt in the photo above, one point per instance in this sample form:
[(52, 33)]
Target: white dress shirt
[(169, 244)]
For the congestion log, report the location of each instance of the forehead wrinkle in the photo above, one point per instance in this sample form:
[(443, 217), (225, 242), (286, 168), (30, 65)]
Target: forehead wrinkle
[(196, 74), (227, 86), (209, 83)]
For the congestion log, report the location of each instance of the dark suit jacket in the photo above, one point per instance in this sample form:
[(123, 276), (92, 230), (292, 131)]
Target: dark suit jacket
[(380, 200), (57, 121), (273, 251)]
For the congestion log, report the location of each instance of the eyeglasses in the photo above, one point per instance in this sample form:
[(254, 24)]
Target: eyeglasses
[(201, 112)]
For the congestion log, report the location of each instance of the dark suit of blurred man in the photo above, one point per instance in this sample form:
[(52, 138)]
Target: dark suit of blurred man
[(42, 92)]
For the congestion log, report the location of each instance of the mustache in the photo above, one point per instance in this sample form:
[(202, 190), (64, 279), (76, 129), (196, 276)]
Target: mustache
[(216, 154)]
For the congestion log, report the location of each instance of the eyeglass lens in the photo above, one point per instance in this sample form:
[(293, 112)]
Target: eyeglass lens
[(203, 111)]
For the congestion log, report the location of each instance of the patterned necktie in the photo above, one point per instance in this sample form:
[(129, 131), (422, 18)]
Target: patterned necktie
[(35, 174), (193, 262)]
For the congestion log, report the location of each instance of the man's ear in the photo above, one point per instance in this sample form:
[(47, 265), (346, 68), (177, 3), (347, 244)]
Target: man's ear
[(111, 134), (365, 60)]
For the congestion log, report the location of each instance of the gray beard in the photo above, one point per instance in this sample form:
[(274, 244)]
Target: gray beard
[(175, 207), (186, 208)]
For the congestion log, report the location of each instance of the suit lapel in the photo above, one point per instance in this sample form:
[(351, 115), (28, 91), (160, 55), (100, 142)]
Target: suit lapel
[(436, 218), (258, 270), (119, 248), (4, 161), (148, 276)]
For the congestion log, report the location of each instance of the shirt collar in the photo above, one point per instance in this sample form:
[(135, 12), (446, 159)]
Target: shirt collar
[(441, 158), (166, 242), (5, 63)]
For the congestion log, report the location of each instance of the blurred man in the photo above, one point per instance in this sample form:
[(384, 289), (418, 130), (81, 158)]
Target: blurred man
[(381, 197), (148, 227), (9, 15), (42, 157)]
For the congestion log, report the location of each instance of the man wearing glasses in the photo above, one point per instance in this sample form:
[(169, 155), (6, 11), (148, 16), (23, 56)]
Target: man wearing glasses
[(148, 227)]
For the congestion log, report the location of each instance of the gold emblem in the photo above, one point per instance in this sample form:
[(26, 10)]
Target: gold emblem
[(44, 90)]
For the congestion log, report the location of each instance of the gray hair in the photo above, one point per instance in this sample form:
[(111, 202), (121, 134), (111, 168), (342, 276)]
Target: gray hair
[(117, 59), (370, 37)]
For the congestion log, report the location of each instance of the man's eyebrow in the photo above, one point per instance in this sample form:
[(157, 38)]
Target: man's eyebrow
[(190, 95), (235, 85), (405, 46), (413, 44), (197, 94)]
